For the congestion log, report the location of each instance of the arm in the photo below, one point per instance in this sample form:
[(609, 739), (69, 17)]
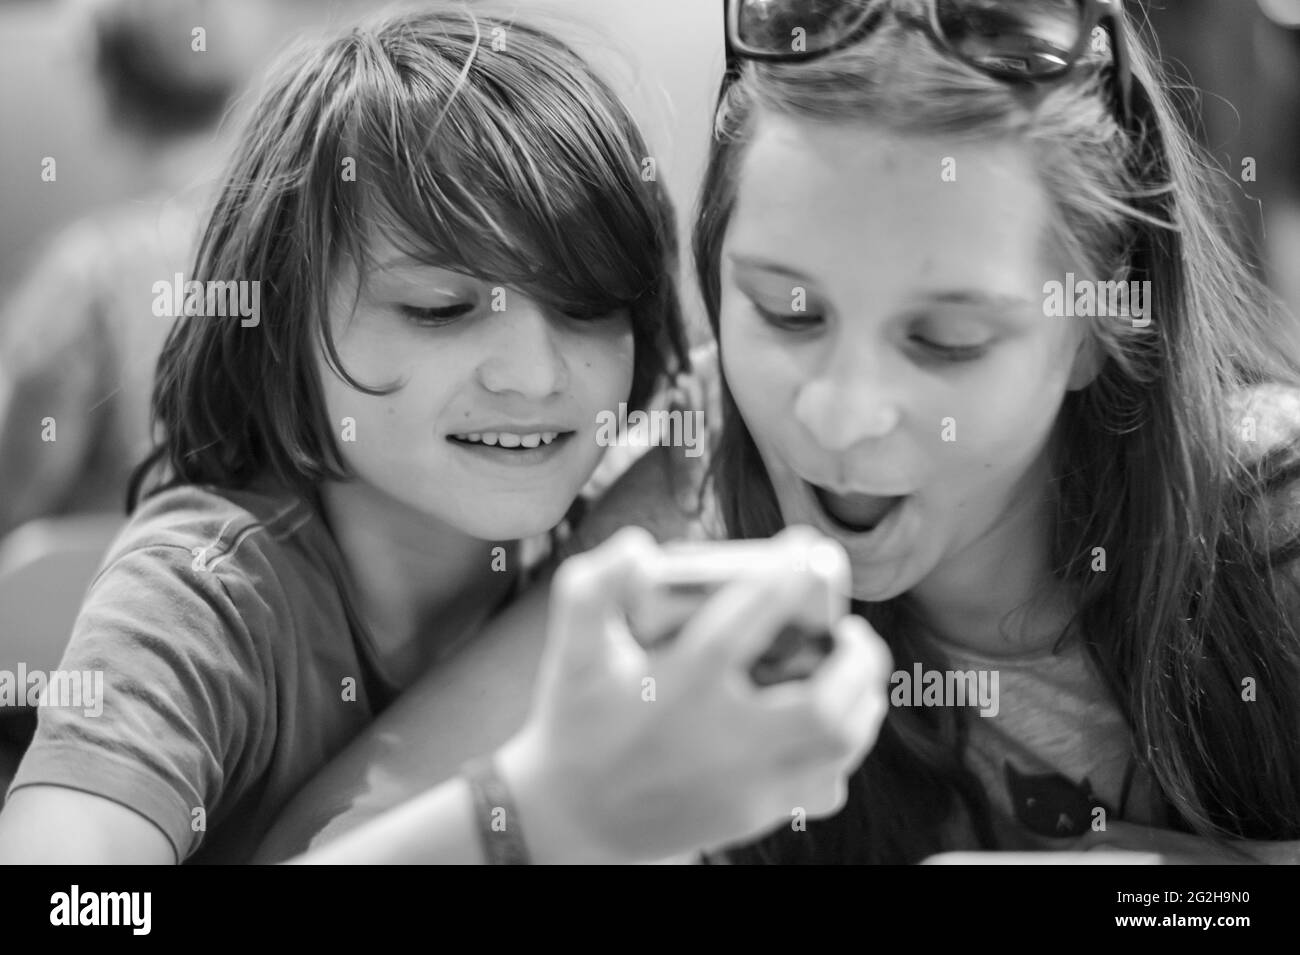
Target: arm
[(54, 825)]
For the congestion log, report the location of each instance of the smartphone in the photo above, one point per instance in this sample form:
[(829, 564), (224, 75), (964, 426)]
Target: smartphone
[(683, 576)]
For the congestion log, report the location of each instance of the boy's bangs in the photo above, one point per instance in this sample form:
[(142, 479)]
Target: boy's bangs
[(532, 202)]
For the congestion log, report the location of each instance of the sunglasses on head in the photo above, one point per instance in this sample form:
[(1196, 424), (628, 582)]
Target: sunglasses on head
[(1020, 41)]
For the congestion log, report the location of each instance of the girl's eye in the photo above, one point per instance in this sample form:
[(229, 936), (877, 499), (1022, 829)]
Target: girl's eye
[(952, 353), (441, 315), (789, 321)]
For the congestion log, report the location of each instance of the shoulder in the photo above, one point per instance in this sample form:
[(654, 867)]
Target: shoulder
[(242, 547), (1264, 418), (663, 487), (1263, 427)]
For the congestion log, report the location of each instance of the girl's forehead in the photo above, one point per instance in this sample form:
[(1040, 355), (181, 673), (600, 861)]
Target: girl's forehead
[(859, 200)]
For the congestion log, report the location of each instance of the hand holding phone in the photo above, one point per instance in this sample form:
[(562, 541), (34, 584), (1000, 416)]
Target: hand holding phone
[(695, 697), (676, 582)]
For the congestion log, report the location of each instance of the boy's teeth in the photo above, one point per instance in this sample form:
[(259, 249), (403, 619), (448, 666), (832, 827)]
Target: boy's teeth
[(507, 439)]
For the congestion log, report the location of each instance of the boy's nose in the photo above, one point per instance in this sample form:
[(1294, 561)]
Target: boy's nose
[(524, 355)]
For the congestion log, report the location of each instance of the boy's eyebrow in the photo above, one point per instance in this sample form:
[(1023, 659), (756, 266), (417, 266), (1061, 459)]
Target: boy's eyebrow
[(403, 261), (767, 265)]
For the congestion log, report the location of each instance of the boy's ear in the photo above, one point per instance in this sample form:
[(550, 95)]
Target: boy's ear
[(1088, 359)]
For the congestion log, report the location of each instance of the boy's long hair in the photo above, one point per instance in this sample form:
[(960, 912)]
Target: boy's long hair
[(1191, 615), (476, 143)]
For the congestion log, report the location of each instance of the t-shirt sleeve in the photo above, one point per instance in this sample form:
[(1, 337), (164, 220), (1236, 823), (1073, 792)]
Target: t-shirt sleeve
[(184, 695)]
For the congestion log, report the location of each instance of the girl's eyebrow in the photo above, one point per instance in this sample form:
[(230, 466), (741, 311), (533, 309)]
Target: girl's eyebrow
[(969, 298), (974, 298)]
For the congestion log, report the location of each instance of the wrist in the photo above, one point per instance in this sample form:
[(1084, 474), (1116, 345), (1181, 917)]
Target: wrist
[(555, 827)]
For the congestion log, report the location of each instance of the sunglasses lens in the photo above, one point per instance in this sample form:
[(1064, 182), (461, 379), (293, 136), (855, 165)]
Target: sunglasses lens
[(1025, 38), (793, 26)]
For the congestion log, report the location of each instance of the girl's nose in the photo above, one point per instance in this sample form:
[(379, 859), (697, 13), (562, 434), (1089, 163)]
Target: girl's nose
[(848, 402), (524, 355)]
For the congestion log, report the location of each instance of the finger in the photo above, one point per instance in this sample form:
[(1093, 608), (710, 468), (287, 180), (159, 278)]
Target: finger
[(587, 595), (847, 696), (826, 792), (857, 669), (734, 626)]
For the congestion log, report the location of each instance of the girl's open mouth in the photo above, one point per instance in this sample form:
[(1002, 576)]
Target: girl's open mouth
[(855, 513)]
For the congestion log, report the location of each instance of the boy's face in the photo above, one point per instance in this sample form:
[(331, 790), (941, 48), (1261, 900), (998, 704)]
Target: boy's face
[(884, 335), (492, 428)]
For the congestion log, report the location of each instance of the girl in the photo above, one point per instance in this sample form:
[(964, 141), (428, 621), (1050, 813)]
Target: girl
[(1093, 502), (451, 267), (1092, 508)]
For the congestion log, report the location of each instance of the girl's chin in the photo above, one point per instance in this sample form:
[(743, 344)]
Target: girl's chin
[(870, 591)]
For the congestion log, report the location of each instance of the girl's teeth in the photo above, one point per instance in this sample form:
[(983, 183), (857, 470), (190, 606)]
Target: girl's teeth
[(508, 440), (490, 437), (530, 440), (548, 436)]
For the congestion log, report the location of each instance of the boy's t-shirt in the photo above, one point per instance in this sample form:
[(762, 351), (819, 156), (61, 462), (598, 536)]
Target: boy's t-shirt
[(233, 668)]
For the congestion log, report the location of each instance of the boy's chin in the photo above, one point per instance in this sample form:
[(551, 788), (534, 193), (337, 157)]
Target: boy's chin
[(505, 525)]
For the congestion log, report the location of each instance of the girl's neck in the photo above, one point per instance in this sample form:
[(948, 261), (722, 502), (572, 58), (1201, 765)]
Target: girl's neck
[(422, 587), (999, 596)]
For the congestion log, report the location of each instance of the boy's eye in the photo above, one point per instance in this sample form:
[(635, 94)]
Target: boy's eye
[(583, 313), (439, 315), (789, 321)]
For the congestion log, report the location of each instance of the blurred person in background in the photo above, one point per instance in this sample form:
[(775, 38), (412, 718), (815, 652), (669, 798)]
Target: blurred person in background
[(79, 338)]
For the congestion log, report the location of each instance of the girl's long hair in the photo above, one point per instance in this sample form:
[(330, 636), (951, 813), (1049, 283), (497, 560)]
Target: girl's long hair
[(1160, 461), (476, 143)]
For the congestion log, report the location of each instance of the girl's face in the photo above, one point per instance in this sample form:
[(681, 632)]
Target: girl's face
[(492, 430), (883, 333)]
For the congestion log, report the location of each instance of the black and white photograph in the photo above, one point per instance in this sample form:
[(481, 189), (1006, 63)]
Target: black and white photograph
[(601, 432)]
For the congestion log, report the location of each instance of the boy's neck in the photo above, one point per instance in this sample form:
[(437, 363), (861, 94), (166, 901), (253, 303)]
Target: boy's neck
[(422, 586)]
